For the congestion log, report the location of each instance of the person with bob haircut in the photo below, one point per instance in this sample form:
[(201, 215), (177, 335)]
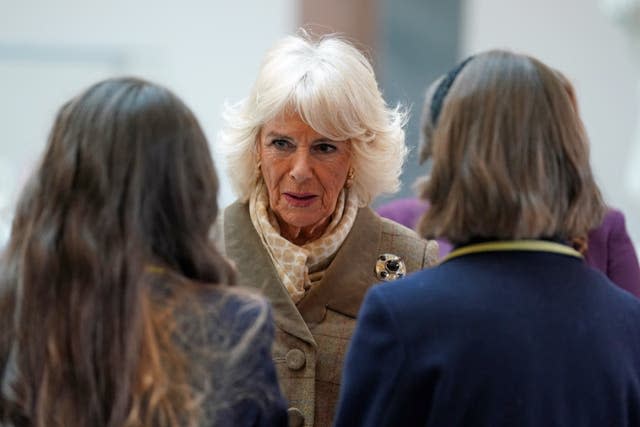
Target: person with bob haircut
[(308, 150), (512, 328), (607, 247), (115, 307)]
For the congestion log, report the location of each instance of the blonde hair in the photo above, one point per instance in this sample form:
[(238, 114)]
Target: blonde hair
[(510, 156), (332, 86)]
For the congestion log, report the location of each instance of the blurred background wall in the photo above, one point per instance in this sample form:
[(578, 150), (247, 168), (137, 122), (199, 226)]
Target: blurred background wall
[(208, 51)]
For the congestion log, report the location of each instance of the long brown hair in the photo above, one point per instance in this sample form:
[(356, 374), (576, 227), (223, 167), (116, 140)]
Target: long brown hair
[(126, 185), (510, 156)]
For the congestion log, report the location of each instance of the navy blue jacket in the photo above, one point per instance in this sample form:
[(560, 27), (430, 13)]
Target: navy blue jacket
[(227, 337), (495, 339)]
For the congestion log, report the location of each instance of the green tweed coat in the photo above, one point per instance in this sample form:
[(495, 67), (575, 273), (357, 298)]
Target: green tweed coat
[(312, 336)]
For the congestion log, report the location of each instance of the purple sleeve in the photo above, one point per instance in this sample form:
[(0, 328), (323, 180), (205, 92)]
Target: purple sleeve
[(404, 211), (622, 262), (611, 251)]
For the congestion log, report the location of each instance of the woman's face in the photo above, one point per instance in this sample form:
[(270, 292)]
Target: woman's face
[(304, 172)]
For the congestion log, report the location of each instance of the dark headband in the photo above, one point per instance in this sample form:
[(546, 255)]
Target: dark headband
[(443, 89)]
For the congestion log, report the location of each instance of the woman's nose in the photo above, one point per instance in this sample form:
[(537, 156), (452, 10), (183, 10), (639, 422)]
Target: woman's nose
[(300, 167)]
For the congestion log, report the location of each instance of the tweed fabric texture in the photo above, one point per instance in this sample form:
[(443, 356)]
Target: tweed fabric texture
[(320, 326), (332, 336)]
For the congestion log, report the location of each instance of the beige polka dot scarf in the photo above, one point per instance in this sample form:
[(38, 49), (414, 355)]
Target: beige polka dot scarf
[(299, 267)]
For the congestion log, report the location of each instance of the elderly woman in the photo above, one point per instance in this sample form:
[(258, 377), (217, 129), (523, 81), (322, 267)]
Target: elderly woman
[(310, 148), (513, 328)]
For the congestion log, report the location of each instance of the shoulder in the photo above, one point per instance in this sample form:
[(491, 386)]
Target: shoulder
[(405, 211), (409, 287), (610, 235), (396, 229), (236, 229), (612, 224), (403, 203), (613, 216), (399, 238), (611, 250), (226, 330), (402, 305), (434, 293), (222, 317), (618, 238), (615, 222), (235, 211), (241, 309), (234, 337)]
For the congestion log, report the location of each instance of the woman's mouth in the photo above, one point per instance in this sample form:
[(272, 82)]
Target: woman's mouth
[(300, 200)]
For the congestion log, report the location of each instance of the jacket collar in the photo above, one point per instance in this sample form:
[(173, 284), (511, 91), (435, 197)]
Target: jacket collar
[(342, 289), (351, 273), (255, 269)]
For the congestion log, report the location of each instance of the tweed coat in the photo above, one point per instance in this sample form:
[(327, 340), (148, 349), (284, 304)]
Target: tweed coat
[(312, 336)]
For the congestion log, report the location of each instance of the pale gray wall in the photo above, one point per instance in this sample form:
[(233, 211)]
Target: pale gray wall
[(419, 40), (207, 51)]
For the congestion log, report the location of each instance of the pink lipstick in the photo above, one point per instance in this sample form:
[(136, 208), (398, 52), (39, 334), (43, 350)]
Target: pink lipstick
[(300, 200)]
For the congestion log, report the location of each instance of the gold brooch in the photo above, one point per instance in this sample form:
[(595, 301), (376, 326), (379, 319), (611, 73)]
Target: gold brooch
[(390, 267)]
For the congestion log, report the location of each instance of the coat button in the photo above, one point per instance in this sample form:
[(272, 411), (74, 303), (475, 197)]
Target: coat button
[(295, 359), (296, 418)]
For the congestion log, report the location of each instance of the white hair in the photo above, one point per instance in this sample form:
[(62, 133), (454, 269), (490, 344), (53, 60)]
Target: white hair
[(332, 86)]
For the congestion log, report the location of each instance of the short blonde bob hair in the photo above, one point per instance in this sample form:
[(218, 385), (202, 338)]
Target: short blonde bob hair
[(510, 155), (332, 86)]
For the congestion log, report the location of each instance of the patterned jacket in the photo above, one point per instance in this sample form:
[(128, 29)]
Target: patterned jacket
[(312, 336)]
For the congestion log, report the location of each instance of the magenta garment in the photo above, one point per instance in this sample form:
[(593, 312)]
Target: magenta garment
[(611, 251), (404, 211), (610, 248), (407, 212)]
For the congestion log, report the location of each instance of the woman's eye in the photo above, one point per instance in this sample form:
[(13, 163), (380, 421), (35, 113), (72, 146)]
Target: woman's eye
[(325, 148), (281, 144)]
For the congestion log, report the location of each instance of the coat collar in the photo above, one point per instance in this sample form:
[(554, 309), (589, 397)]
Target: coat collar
[(255, 268), (350, 274), (342, 288)]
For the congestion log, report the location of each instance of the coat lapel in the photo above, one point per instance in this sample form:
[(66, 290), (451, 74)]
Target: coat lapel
[(244, 247), (351, 273)]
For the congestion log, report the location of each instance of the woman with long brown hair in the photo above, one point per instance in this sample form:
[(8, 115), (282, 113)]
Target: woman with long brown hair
[(114, 303)]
